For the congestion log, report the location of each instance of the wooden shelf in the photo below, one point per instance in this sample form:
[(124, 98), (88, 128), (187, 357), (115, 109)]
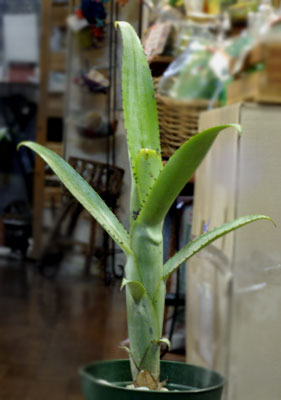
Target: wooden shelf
[(58, 61), (50, 105), (159, 64), (259, 86), (256, 88), (162, 59), (57, 147), (55, 105), (59, 15)]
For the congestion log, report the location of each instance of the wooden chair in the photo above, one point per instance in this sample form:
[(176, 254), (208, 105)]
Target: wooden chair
[(107, 182)]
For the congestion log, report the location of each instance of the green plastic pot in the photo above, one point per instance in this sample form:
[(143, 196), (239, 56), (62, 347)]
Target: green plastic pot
[(190, 381)]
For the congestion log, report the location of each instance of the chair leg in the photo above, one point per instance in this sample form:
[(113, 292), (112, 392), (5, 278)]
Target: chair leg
[(92, 247), (105, 254)]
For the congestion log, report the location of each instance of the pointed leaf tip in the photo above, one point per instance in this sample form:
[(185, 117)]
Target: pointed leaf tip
[(175, 174), (85, 194), (238, 127), (137, 94), (203, 240)]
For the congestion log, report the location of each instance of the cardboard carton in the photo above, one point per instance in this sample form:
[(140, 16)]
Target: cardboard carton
[(234, 286)]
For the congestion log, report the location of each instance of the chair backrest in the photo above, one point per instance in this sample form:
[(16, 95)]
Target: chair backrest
[(105, 179)]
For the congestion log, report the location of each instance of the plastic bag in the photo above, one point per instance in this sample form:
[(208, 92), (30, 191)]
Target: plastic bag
[(202, 70), (190, 76)]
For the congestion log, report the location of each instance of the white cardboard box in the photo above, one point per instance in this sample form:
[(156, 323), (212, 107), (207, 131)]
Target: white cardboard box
[(234, 286)]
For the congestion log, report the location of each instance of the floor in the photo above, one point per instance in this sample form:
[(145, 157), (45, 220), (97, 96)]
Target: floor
[(50, 328)]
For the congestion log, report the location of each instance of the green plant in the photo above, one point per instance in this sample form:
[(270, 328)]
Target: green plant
[(154, 188)]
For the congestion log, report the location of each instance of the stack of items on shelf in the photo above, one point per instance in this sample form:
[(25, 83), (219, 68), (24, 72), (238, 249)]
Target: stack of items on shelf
[(19, 27), (207, 54), (20, 62), (259, 78), (89, 22), (88, 25)]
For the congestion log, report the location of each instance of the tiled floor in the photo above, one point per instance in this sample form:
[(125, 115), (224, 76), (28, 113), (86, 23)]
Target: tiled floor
[(50, 328)]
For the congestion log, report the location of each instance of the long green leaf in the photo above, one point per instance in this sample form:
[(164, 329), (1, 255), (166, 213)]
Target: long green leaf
[(85, 194), (139, 106), (176, 173), (148, 165), (203, 240)]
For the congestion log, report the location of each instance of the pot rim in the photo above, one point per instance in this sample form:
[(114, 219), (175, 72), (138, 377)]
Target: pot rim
[(83, 372)]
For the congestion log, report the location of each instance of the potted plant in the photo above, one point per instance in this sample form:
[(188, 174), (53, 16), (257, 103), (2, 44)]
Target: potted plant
[(154, 188)]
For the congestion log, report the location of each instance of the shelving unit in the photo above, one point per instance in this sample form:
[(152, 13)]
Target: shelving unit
[(83, 139), (78, 99), (85, 109), (51, 105)]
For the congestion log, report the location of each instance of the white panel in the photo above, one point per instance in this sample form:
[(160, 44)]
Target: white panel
[(20, 38)]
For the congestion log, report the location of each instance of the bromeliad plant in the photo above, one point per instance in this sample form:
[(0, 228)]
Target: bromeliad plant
[(154, 188)]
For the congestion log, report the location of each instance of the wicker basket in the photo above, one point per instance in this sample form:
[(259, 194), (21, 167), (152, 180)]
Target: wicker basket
[(178, 121)]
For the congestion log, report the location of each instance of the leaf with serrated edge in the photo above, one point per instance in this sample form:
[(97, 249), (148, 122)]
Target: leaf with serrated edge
[(203, 240), (136, 288), (85, 194), (176, 173), (139, 105), (148, 165)]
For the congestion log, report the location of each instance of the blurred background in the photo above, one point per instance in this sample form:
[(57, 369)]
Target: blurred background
[(212, 62)]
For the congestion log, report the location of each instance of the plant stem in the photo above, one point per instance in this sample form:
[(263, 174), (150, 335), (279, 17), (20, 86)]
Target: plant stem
[(145, 315)]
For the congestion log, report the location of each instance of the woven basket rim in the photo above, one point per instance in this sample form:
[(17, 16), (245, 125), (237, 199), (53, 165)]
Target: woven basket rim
[(193, 102)]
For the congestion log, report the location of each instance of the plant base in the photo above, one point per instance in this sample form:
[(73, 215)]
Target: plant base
[(184, 381)]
